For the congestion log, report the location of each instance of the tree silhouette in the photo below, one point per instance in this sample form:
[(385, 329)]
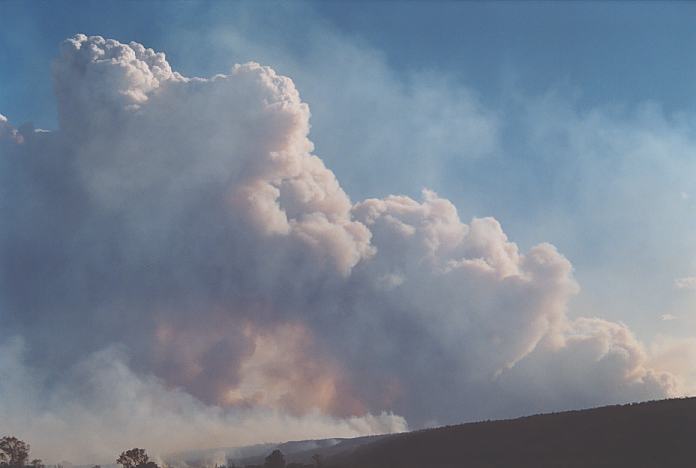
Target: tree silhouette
[(275, 460), (13, 452), (135, 458)]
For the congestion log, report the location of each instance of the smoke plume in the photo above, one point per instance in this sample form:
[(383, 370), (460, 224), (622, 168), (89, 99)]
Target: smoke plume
[(180, 270)]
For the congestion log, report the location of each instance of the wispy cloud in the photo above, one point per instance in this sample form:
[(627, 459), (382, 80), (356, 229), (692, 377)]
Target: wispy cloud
[(687, 283)]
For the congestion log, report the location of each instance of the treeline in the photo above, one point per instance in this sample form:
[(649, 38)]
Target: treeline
[(14, 453)]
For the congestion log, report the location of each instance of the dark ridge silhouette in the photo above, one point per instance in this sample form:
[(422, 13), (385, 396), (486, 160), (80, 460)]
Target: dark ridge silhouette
[(659, 434), (304, 451)]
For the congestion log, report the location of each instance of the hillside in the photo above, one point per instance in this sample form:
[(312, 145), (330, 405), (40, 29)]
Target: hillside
[(302, 451), (659, 434)]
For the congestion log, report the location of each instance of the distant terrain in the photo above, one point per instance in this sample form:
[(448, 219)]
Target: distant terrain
[(659, 434)]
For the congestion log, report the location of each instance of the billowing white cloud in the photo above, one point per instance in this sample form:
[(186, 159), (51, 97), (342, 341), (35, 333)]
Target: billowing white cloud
[(677, 356), (412, 124), (185, 223), (589, 363)]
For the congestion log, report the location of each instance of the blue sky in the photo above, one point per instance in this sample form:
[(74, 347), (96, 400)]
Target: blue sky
[(571, 123)]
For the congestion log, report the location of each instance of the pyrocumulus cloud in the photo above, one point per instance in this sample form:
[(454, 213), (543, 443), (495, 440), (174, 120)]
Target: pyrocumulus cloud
[(179, 269)]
